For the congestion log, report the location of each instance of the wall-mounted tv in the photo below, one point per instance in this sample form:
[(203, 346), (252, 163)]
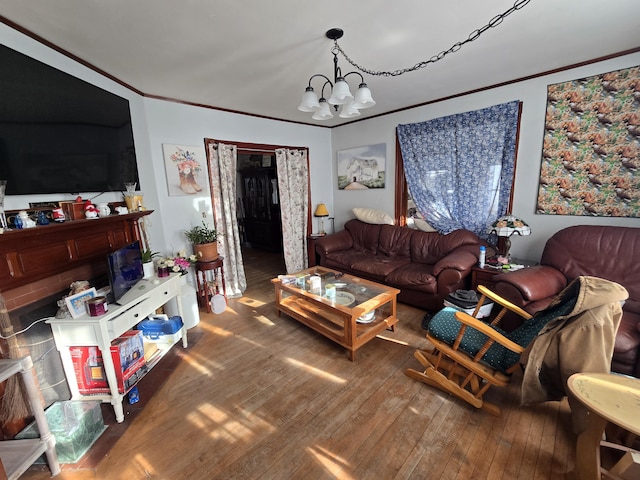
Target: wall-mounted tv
[(125, 270), (60, 134)]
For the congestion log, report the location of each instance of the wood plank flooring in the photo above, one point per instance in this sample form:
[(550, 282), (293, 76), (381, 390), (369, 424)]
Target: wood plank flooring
[(263, 397)]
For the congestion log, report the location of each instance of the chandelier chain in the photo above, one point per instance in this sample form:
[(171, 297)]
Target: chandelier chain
[(494, 22)]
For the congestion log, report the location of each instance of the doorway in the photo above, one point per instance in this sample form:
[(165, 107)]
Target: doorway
[(260, 196)]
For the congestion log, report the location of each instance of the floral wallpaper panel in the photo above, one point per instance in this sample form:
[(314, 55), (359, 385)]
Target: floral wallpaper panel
[(591, 150)]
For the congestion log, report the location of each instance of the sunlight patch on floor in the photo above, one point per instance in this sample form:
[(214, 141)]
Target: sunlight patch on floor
[(145, 466), (315, 371), (215, 329), (222, 426), (334, 464), (394, 340), (250, 302), (264, 320)]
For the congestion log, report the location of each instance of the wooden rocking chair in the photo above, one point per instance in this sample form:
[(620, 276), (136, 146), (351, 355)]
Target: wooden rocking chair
[(469, 355)]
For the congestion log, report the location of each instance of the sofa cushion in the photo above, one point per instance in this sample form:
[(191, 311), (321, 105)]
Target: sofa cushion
[(395, 241), (346, 258), (365, 235), (379, 267)]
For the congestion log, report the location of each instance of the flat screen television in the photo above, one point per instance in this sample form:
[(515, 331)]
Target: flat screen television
[(124, 269), (60, 134)]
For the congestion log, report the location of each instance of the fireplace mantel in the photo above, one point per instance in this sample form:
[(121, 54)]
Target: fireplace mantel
[(31, 256)]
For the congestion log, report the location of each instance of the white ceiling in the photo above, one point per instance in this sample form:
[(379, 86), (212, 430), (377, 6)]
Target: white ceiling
[(256, 56)]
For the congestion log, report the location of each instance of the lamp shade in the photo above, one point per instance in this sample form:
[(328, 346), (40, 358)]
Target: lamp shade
[(309, 102), (321, 211), (324, 113), (507, 225), (363, 98), (349, 111), (341, 93)]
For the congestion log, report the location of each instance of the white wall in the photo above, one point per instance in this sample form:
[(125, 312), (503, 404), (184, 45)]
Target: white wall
[(533, 95), (187, 125)]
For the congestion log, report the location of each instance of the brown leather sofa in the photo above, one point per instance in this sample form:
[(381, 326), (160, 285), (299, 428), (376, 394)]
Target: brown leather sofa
[(425, 266), (611, 253)]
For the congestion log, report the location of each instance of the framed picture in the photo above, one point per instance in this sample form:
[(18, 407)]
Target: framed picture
[(76, 303), (186, 170), (362, 168)]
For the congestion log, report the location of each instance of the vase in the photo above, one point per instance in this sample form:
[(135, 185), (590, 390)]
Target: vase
[(148, 270), (206, 252), (191, 313)]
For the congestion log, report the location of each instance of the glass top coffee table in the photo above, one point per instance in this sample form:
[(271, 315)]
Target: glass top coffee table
[(346, 309)]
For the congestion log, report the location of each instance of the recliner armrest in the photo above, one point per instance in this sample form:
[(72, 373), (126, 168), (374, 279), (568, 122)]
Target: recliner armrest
[(532, 284)]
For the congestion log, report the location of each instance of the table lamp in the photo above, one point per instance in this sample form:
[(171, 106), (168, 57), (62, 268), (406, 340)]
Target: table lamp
[(321, 212), (506, 226)]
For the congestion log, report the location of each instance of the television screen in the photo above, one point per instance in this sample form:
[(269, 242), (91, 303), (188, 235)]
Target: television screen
[(125, 269), (60, 134)]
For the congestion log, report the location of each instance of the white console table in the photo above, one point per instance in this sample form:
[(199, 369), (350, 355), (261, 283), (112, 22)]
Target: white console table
[(142, 300)]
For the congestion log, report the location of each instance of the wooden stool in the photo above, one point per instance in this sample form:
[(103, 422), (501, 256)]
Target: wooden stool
[(207, 275)]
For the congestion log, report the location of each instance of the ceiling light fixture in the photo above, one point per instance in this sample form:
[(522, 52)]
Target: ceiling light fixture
[(340, 92)]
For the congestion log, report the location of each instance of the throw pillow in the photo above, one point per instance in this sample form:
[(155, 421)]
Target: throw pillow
[(370, 215)]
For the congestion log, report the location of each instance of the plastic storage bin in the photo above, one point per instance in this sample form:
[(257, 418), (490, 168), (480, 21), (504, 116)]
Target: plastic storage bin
[(161, 328), (75, 425)]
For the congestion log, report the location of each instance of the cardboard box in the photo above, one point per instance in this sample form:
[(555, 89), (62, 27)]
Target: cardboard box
[(73, 210), (127, 353), (75, 426)]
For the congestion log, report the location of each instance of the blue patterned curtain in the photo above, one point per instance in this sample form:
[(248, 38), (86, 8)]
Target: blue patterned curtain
[(459, 169)]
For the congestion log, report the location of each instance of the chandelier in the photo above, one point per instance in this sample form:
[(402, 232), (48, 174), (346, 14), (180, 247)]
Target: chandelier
[(340, 93)]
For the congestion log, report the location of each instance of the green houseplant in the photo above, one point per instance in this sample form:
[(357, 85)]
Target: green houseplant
[(147, 256), (204, 240)]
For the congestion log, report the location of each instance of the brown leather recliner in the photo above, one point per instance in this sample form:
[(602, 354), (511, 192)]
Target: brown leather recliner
[(611, 253)]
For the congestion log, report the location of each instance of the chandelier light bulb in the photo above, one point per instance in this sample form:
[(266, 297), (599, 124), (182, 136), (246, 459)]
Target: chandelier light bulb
[(349, 110)]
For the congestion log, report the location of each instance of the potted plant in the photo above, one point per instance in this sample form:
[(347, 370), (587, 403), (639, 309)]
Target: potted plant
[(204, 240), (147, 256)]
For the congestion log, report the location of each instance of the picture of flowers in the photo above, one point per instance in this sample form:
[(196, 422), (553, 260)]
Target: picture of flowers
[(185, 167), (591, 150)]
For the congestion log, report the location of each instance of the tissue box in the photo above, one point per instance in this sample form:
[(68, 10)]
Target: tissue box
[(75, 426), (127, 353)]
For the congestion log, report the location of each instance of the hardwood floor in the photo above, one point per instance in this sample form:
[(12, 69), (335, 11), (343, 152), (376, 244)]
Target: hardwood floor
[(261, 396)]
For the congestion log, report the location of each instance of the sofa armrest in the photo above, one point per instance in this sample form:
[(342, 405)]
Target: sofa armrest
[(531, 284), (333, 243), (459, 259)]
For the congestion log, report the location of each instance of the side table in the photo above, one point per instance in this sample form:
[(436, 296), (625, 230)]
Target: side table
[(210, 277), (609, 398), (484, 276)]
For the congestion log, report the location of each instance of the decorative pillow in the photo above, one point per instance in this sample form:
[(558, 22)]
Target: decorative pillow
[(369, 215)]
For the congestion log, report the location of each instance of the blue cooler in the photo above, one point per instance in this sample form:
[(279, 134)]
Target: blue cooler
[(155, 327)]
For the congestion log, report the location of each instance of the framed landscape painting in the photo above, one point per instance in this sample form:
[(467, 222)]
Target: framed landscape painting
[(362, 168)]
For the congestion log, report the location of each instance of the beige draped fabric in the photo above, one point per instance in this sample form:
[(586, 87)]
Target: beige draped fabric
[(222, 161), (293, 184)]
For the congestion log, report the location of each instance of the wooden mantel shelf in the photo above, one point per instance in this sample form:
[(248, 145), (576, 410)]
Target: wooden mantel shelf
[(33, 254)]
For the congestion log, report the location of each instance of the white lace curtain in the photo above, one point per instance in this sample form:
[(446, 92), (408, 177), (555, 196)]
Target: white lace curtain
[(293, 184), (223, 160)]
